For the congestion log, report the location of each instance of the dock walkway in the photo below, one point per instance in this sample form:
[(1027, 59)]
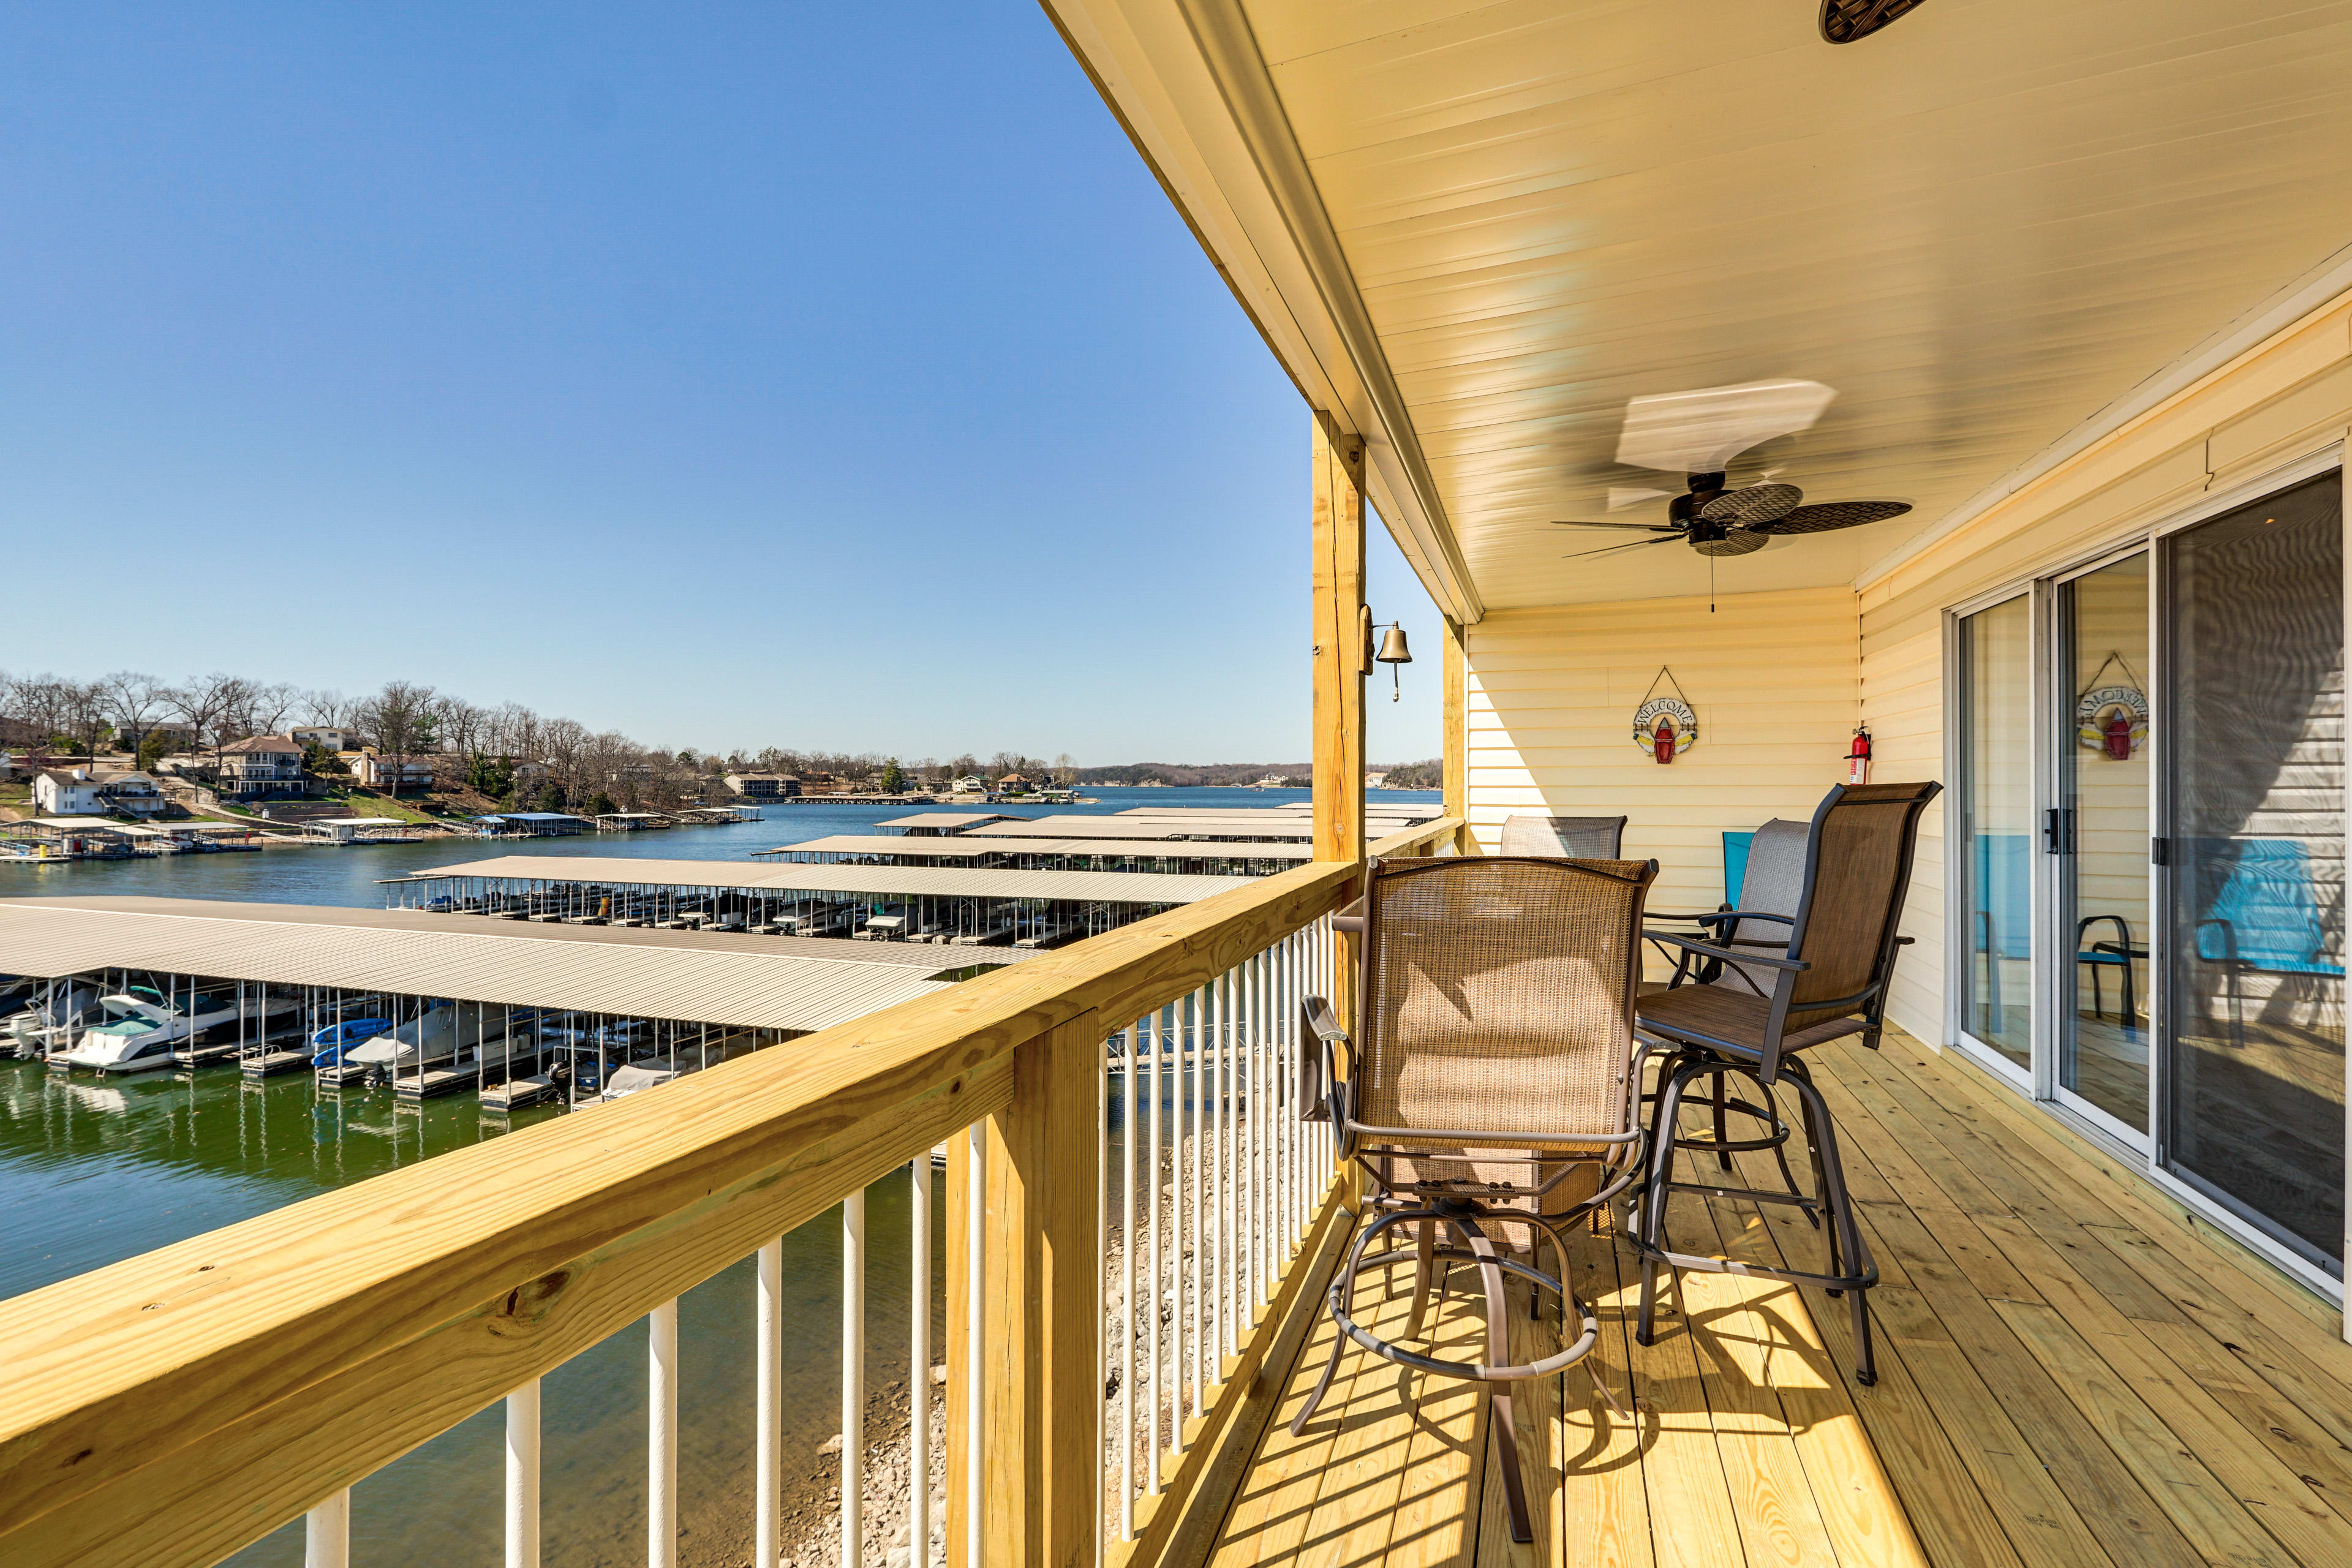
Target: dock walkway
[(2073, 1372)]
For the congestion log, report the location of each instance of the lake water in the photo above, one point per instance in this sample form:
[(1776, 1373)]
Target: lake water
[(92, 1172)]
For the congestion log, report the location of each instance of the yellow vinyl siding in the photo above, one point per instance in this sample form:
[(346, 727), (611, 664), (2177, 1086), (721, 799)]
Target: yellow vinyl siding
[(2279, 402), (1550, 708)]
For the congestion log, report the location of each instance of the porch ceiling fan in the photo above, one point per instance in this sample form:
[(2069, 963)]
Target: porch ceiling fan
[(1697, 434)]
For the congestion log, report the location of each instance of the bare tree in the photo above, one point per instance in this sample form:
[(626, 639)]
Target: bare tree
[(209, 705), (1066, 770), (266, 707), (134, 701), (85, 706), (328, 710), (402, 719)]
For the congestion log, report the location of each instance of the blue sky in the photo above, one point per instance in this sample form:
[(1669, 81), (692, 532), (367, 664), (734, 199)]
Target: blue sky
[(727, 375)]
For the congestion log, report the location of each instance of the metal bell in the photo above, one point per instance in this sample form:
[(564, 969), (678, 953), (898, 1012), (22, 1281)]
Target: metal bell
[(1393, 648)]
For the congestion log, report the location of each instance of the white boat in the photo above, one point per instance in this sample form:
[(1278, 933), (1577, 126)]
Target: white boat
[(444, 1032), (638, 1077), (32, 1031), (141, 1034)]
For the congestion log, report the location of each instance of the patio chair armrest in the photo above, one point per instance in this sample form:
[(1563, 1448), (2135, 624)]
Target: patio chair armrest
[(1322, 1093), (1729, 955), (1350, 920)]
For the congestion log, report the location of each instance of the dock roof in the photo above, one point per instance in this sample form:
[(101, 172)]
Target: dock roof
[(947, 821), (966, 846), (774, 982), (930, 881)]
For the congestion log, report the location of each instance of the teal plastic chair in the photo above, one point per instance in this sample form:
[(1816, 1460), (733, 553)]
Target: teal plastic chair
[(2263, 917)]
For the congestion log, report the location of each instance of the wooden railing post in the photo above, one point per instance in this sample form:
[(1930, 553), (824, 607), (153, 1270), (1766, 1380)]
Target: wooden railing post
[(1040, 1288), (1457, 736), (1341, 660)]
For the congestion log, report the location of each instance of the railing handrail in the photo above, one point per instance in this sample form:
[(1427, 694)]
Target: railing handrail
[(159, 1407)]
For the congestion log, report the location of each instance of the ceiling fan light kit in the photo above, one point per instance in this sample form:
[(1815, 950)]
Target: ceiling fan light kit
[(1699, 433)]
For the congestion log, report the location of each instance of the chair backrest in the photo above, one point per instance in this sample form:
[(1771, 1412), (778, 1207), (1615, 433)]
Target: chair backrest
[(1498, 999), (1858, 854), (1771, 882), (1571, 837), (2265, 914)]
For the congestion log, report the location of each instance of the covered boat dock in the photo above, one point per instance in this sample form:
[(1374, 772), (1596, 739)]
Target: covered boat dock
[(481, 1006), (935, 904)]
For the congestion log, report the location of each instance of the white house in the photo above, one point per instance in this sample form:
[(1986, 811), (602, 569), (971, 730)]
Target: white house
[(326, 736), (970, 783), (95, 792), (378, 772)]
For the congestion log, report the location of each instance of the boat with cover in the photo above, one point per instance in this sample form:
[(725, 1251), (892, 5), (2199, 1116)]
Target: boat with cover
[(445, 1034), (33, 1029)]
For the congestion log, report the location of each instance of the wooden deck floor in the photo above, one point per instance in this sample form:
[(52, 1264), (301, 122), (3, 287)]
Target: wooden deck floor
[(2072, 1372)]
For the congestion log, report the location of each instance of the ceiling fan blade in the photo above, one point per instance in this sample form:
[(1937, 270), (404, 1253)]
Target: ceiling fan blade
[(1829, 515), (1735, 541), (1620, 498), (1752, 504), (1629, 544), (1634, 527), (1699, 432)]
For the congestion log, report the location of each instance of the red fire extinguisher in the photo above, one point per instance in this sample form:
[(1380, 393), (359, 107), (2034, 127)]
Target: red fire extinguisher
[(1857, 765)]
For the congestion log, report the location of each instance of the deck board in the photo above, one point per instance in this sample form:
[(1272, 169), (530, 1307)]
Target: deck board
[(2073, 1371)]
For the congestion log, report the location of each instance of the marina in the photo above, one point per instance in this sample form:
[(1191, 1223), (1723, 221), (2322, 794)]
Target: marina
[(424, 1005), (956, 905)]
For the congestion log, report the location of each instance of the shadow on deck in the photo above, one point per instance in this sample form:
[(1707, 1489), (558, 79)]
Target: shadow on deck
[(2072, 1372)]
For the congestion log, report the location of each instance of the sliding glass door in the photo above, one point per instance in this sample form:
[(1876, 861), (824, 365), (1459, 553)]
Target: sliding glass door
[(2253, 884), (2096, 837), (1995, 811)]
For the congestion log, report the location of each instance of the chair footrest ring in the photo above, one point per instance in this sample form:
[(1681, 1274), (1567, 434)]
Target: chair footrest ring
[(1467, 1371)]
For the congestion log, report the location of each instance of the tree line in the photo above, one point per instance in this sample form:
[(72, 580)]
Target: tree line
[(510, 753)]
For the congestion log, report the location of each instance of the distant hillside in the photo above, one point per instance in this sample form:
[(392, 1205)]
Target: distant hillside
[(1196, 775)]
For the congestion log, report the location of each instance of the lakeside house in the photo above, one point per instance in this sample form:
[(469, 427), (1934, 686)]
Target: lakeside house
[(95, 792), (764, 786), (331, 739), (375, 771), (261, 767)]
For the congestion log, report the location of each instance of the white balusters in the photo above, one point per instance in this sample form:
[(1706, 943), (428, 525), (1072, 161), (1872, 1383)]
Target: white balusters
[(852, 1378), (768, 1481), (919, 1364), (523, 1476), (327, 1533), (975, 1348), (661, 1438)]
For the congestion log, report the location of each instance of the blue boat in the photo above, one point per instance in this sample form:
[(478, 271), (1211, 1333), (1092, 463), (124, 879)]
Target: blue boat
[(328, 1046)]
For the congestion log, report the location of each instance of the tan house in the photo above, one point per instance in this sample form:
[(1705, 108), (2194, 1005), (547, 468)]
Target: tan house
[(262, 765), (1769, 398)]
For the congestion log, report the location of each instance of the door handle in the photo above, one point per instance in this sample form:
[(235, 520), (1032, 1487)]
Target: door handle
[(2050, 833)]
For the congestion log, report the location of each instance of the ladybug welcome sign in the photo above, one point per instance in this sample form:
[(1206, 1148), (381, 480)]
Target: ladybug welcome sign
[(1665, 726)]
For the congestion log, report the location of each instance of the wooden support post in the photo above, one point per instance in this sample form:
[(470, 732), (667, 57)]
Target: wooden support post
[(1341, 659), (1041, 1281), (1457, 736)]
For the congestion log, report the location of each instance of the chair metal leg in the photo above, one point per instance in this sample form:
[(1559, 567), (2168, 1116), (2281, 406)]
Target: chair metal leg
[(1345, 1283), (1653, 1203), (1844, 1227), (1722, 1125), (1424, 1245), (1498, 1354)]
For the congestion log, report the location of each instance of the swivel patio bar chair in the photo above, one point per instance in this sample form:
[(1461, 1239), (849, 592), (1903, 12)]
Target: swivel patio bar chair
[(1577, 838), (1493, 1059), (1828, 980)]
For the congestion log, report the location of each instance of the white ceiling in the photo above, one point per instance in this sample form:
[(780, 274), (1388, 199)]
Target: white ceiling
[(1981, 225)]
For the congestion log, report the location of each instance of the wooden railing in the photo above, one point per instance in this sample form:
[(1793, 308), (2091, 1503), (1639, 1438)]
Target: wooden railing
[(169, 1409)]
